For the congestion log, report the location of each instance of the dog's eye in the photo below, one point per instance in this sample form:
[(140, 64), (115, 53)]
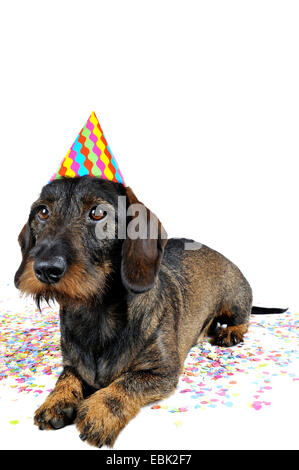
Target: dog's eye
[(43, 213), (97, 214)]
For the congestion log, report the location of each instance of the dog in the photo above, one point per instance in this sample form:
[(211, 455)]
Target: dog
[(130, 307)]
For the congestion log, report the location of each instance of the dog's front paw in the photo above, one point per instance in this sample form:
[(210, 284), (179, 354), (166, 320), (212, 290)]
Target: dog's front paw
[(56, 412), (100, 418)]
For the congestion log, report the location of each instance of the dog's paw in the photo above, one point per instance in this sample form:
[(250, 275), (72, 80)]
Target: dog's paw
[(229, 336), (56, 412), (100, 418)]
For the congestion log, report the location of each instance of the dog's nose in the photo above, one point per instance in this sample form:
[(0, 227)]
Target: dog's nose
[(51, 270)]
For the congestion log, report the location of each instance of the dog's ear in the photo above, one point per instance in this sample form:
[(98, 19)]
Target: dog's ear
[(25, 239), (26, 242), (142, 251)]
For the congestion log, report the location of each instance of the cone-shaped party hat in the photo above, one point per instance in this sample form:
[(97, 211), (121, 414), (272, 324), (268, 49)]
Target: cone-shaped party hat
[(90, 155)]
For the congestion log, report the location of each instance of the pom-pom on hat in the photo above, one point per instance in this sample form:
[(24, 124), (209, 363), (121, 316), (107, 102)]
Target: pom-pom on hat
[(90, 155)]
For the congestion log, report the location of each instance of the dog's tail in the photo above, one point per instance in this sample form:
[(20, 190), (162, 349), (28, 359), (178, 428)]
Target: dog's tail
[(265, 311)]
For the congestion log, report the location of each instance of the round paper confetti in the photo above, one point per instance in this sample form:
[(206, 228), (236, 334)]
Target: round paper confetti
[(246, 374), (30, 347), (243, 375)]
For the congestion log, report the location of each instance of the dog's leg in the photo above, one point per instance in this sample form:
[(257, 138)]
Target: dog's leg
[(60, 406), (104, 414), (230, 326)]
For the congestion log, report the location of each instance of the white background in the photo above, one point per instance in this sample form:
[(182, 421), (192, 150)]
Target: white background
[(199, 102)]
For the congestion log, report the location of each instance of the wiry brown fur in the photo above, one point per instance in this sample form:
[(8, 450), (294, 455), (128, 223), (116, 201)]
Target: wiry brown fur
[(59, 407), (130, 310), (70, 286)]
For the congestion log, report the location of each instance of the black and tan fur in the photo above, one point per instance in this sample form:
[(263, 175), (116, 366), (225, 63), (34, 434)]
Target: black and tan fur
[(130, 310)]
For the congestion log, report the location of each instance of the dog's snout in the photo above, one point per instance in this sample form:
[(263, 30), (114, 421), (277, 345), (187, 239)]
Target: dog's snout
[(51, 270)]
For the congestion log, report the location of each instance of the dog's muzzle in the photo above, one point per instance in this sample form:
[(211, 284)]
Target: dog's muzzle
[(50, 271)]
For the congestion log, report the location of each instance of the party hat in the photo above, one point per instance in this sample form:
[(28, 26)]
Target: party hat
[(90, 155)]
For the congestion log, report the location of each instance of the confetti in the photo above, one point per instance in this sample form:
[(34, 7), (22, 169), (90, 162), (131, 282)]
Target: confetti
[(30, 347), (178, 423), (243, 375), (213, 377)]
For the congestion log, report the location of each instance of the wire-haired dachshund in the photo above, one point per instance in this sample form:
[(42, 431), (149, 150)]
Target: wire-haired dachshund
[(131, 307)]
